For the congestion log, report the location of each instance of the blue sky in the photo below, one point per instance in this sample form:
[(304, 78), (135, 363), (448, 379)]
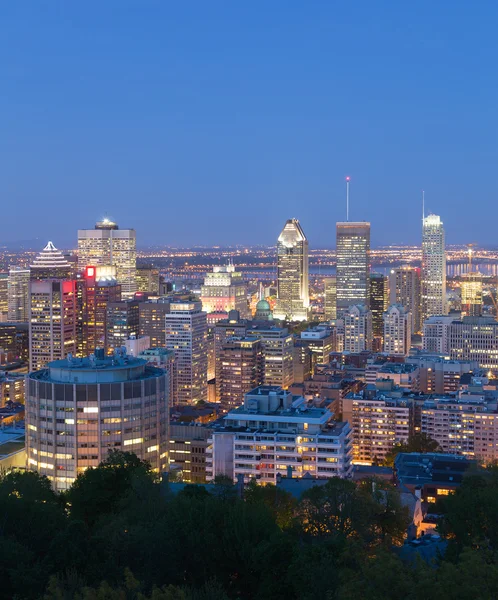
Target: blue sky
[(214, 122)]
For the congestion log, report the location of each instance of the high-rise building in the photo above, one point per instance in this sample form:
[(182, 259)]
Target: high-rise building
[(109, 245), (51, 264), (471, 292), (152, 321), (404, 289), (292, 273), (99, 290), (18, 295), (433, 280), (4, 296), (378, 303), (223, 330), (52, 321), (274, 431), (278, 353), (330, 298), (75, 415), (377, 423), (397, 330), (224, 290), (122, 322), (320, 341), (474, 338), (435, 334), (353, 265), (241, 370), (14, 341), (148, 279), (357, 329), (186, 334)]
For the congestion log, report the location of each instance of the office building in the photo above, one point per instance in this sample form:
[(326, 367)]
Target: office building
[(439, 374), (471, 294), (14, 342), (353, 265), (224, 290), (241, 370), (186, 334), (357, 329), (397, 330), (435, 334), (148, 279), (474, 339), (18, 295), (278, 353), (320, 341), (109, 245), (77, 410), (223, 330), (404, 289), (4, 296), (52, 322), (274, 431), (377, 423), (152, 322), (292, 274), (433, 280), (121, 323), (51, 264), (99, 289), (378, 303), (330, 298)]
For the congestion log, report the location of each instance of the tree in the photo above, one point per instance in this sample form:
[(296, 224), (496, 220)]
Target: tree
[(419, 442), (97, 492), (281, 504)]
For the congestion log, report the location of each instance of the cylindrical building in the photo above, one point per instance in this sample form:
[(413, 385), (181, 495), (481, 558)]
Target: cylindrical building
[(77, 410)]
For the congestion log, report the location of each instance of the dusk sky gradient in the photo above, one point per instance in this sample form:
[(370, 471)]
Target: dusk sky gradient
[(213, 122)]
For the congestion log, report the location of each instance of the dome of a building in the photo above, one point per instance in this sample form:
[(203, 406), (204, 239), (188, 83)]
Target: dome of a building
[(263, 311), (263, 305)]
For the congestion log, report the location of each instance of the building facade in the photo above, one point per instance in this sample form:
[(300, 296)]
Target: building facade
[(121, 323), (18, 295), (186, 334), (471, 294), (292, 273), (52, 321), (224, 290), (433, 280), (357, 329), (378, 303), (77, 410), (330, 298), (274, 430), (353, 265), (404, 289), (109, 245), (397, 330), (241, 370), (51, 264), (152, 321)]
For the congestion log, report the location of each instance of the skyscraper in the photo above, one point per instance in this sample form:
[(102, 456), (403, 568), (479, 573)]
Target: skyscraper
[(51, 264), (186, 334), (471, 292), (353, 265), (52, 320), (433, 268), (152, 322), (292, 273), (4, 296), (18, 295), (224, 290), (330, 300), (109, 245), (122, 322), (100, 288), (241, 370), (404, 289), (378, 303)]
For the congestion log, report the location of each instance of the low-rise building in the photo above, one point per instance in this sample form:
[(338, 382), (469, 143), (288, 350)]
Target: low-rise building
[(275, 430)]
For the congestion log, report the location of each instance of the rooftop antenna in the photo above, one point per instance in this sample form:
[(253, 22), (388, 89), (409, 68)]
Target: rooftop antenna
[(348, 178)]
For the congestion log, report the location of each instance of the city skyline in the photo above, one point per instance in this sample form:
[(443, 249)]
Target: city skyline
[(227, 108)]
